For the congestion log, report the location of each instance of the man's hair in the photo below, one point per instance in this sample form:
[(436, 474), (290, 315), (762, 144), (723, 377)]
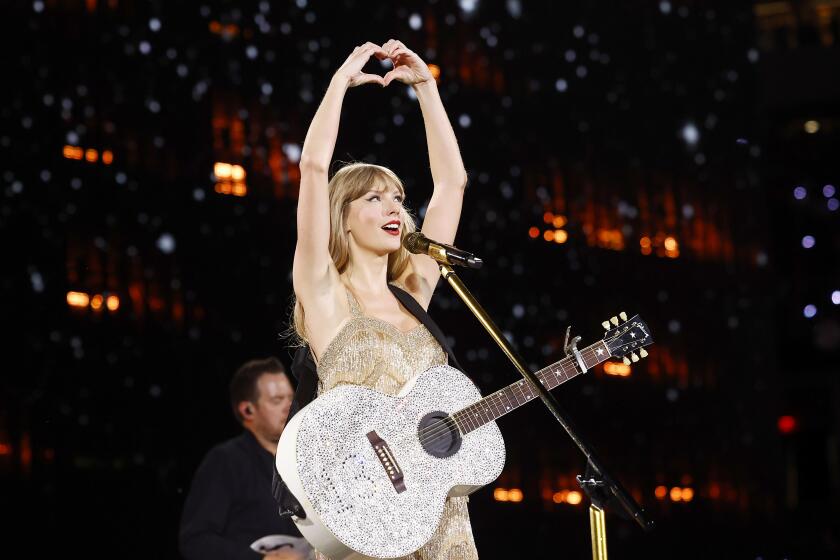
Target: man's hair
[(243, 385)]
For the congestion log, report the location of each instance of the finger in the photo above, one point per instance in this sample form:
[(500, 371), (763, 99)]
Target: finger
[(399, 51), (388, 44), (374, 49), (391, 76), (369, 79)]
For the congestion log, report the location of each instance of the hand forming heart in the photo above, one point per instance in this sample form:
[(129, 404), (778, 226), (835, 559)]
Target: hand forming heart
[(408, 67)]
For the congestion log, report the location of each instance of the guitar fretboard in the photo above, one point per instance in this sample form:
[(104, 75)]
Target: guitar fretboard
[(516, 394)]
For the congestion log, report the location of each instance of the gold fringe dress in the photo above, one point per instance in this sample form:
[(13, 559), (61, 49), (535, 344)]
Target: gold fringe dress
[(374, 353)]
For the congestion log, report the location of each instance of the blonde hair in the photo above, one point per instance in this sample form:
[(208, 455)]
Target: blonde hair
[(349, 183)]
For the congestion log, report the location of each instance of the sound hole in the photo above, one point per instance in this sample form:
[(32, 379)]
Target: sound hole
[(439, 435)]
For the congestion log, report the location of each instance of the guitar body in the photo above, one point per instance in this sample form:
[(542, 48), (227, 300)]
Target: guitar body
[(373, 471)]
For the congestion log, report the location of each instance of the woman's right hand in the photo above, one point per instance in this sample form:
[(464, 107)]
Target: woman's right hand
[(351, 70)]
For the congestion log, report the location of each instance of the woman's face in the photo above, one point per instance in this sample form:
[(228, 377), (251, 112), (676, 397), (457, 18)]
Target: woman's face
[(374, 220)]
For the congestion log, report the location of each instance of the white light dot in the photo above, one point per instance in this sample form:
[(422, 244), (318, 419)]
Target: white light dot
[(251, 52), (581, 71), (154, 24), (808, 241), (292, 151), (166, 243), (182, 70), (809, 311), (153, 105), (145, 47), (752, 55), (835, 297), (518, 311), (38, 6), (266, 88), (415, 21), (665, 7), (468, 6), (561, 85), (399, 119), (690, 134), (300, 4), (800, 193), (72, 138), (198, 195), (578, 31), (570, 55), (465, 121), (833, 204), (514, 8), (828, 191)]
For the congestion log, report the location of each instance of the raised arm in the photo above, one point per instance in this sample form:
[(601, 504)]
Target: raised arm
[(448, 174), (311, 272)]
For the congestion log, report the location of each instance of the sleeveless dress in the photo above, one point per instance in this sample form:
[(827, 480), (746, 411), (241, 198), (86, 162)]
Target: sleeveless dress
[(374, 353)]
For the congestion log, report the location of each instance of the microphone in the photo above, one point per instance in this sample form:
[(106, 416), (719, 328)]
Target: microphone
[(419, 244)]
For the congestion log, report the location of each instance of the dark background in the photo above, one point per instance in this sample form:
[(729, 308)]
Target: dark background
[(686, 148)]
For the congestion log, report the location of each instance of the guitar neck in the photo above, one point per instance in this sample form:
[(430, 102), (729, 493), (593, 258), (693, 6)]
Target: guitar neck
[(516, 394)]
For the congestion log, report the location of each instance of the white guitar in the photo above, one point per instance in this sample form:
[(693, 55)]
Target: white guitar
[(372, 471)]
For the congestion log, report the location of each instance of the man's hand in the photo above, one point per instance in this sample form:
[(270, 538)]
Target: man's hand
[(285, 553)]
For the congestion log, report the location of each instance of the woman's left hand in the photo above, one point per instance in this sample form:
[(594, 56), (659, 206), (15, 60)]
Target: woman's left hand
[(408, 67)]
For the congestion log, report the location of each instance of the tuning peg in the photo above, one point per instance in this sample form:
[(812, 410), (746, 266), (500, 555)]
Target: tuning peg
[(606, 325), (643, 353), (634, 357), (614, 321), (626, 360), (623, 316)]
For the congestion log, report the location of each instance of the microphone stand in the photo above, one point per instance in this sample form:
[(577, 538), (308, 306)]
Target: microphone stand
[(599, 486)]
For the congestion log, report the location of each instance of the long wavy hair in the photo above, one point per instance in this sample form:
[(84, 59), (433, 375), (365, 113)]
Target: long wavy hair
[(349, 183)]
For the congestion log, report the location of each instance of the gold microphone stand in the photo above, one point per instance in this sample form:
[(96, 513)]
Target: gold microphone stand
[(597, 521)]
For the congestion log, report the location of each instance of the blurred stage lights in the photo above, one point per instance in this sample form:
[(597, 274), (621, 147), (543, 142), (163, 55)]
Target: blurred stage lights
[(835, 297), (676, 493), (809, 311), (508, 495), (808, 241), (571, 497), (97, 302), (617, 369), (799, 193), (230, 179), (89, 155), (811, 127)]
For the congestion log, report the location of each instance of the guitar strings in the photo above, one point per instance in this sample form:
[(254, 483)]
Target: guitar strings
[(442, 428)]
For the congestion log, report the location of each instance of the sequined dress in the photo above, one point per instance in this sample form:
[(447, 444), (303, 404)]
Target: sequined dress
[(374, 353)]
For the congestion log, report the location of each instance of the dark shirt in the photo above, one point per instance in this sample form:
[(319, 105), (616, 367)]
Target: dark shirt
[(230, 504)]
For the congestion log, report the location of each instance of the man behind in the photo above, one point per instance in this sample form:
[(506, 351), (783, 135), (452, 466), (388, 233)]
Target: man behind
[(230, 504)]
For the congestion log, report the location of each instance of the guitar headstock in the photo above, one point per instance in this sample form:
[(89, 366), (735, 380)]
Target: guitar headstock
[(627, 337)]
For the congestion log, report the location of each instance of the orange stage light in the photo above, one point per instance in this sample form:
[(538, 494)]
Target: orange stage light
[(500, 495), (96, 301), (548, 217), (560, 236), (574, 497), (107, 157), (616, 368), (548, 235), (78, 299), (91, 155), (534, 232), (515, 495), (661, 492), (435, 70), (112, 302)]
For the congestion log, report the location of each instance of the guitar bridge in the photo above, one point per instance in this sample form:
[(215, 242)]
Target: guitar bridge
[(386, 458)]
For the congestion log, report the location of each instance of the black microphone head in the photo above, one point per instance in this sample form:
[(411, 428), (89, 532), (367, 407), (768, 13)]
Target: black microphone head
[(416, 243)]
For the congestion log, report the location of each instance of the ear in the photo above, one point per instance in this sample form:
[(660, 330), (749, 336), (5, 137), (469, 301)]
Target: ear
[(246, 409)]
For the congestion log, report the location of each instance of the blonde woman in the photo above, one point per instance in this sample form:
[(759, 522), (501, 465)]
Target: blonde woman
[(349, 254)]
